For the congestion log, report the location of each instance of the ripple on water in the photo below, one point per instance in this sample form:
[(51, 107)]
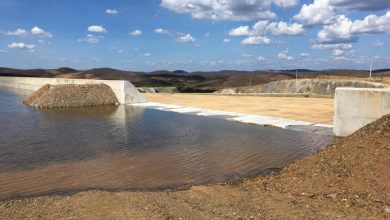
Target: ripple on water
[(125, 147)]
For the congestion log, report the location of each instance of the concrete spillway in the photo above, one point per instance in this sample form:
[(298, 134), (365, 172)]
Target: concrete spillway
[(125, 92), (357, 107)]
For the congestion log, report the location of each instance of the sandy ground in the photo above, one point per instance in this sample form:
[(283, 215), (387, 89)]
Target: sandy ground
[(348, 180), (317, 110)]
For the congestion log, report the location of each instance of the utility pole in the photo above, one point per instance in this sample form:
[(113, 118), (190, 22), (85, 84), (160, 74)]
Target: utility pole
[(371, 67), (296, 74)]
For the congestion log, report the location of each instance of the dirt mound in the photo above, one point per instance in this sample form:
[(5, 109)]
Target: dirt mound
[(57, 96), (353, 173)]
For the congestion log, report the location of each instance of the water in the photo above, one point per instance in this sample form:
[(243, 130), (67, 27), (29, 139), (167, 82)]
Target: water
[(132, 148)]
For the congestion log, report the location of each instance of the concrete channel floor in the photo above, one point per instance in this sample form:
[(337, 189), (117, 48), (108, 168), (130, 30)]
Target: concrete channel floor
[(316, 110)]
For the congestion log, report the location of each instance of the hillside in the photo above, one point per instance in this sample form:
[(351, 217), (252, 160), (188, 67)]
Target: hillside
[(189, 81)]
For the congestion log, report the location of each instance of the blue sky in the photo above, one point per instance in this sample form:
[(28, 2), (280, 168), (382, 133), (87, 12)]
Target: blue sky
[(195, 34)]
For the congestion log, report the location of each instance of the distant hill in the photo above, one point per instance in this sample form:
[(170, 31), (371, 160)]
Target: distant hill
[(188, 81), (300, 71), (66, 70), (180, 72)]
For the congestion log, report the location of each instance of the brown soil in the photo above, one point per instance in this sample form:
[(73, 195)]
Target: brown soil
[(347, 180), (49, 96)]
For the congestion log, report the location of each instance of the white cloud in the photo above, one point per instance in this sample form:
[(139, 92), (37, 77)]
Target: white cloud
[(286, 3), (256, 40), (21, 45), (341, 46), (136, 33), (186, 38), (161, 31), (147, 54), (43, 42), (285, 56), (96, 59), (40, 32), (18, 32), (338, 32), (90, 38), (226, 40), (111, 11), (246, 55), (35, 31), (344, 30), (342, 54), (257, 34), (339, 51), (325, 11), (223, 10), (261, 58), (304, 55), (282, 28), (379, 43), (207, 34), (362, 5), (240, 31), (372, 24), (97, 29), (319, 12), (259, 28)]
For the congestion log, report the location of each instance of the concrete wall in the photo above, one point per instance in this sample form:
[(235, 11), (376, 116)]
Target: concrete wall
[(357, 107), (124, 90)]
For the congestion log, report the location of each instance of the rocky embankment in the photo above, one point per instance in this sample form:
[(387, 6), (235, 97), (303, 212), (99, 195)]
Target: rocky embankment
[(318, 87), (59, 96)]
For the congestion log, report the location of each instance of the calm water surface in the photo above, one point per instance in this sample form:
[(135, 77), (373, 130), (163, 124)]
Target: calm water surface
[(132, 148)]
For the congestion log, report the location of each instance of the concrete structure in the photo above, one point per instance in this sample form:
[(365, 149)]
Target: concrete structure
[(357, 107), (170, 90), (125, 92)]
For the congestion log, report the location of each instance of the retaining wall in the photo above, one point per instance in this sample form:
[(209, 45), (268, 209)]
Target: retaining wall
[(357, 107), (125, 92)]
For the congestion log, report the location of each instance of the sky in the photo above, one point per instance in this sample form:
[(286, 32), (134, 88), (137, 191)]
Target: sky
[(195, 35)]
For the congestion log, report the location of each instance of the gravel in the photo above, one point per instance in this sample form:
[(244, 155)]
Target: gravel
[(62, 96)]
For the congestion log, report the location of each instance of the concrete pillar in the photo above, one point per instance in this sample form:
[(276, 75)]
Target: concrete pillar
[(357, 107)]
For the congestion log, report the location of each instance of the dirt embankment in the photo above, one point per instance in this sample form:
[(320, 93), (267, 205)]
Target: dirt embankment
[(57, 96), (347, 180), (321, 87)]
